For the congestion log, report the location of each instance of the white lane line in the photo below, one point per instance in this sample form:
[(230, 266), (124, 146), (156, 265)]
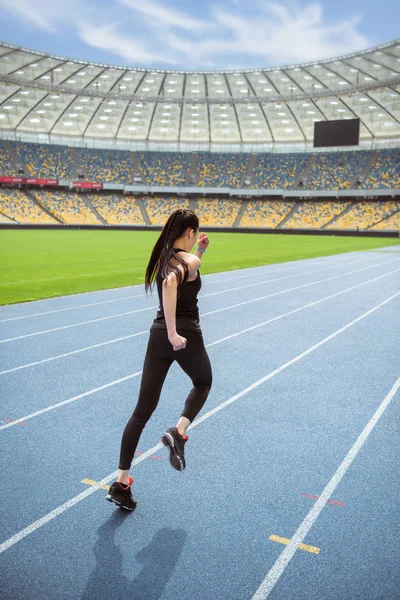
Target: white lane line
[(141, 295), (212, 312), (154, 306), (74, 398), (229, 337), (11, 541), (49, 312), (274, 574)]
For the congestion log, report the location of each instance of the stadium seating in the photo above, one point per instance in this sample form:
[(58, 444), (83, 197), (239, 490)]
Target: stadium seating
[(221, 170), (278, 171), (4, 219), (336, 170), (19, 207), (266, 213), (70, 208), (164, 168), (106, 165), (6, 167), (45, 161), (389, 224), (117, 209), (385, 173), (159, 209), (363, 215), (217, 213), (314, 214)]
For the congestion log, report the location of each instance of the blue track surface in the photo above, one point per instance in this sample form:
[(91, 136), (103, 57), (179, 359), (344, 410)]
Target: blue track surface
[(318, 365)]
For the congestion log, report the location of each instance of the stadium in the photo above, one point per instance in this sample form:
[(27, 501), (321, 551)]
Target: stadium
[(292, 171)]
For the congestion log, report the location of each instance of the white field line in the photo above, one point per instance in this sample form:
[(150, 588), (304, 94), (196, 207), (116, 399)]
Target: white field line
[(11, 541), (154, 306), (126, 337), (229, 337), (274, 574), (141, 295)]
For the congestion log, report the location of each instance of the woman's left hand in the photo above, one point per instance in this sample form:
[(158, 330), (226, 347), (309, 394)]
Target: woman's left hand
[(203, 241)]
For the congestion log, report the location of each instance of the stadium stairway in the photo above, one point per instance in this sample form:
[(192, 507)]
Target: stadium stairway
[(240, 213), (6, 219), (140, 204), (193, 204), (192, 175), (363, 175), (79, 169), (136, 170), (17, 164), (90, 206), (302, 179), (248, 174), (289, 215), (31, 197), (349, 207)]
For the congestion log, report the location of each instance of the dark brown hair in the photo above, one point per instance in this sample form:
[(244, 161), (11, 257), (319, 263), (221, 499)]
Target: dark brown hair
[(163, 251)]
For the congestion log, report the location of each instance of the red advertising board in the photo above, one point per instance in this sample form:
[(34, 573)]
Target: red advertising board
[(88, 185), (29, 180)]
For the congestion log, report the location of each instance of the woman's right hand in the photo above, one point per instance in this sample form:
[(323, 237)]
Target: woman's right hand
[(178, 342)]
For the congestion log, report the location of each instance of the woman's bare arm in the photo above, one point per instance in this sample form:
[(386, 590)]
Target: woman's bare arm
[(169, 297)]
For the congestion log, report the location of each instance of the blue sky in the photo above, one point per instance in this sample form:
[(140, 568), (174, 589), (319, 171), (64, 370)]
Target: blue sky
[(207, 34)]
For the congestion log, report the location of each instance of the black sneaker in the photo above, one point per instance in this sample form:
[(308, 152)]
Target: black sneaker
[(121, 495), (176, 446)]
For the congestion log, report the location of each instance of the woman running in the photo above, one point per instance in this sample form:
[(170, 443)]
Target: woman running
[(174, 335)]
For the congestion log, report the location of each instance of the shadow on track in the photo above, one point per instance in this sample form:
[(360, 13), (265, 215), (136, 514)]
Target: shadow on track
[(159, 560)]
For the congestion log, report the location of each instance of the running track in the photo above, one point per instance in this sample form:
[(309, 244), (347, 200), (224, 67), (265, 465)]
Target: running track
[(298, 442)]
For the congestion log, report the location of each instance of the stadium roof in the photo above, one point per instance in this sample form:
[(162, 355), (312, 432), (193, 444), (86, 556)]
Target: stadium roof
[(45, 94)]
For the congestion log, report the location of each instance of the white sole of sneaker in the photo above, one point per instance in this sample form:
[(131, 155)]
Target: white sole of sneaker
[(175, 460), (111, 499)]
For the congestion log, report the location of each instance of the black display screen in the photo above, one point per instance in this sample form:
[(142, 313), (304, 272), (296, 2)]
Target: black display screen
[(344, 132)]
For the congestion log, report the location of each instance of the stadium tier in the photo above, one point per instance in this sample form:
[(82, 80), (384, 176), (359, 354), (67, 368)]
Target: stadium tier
[(7, 169), (386, 171), (163, 168), (52, 207), (105, 165), (315, 214), (336, 170), (221, 170), (159, 209), (273, 171), (362, 215), (20, 208), (117, 209), (268, 214), (214, 212), (319, 171), (45, 161), (67, 207)]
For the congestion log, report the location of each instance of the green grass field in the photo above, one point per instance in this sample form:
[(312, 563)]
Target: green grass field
[(42, 264)]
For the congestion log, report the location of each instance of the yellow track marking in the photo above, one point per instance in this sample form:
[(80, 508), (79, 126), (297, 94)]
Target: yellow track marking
[(306, 547), (91, 482)]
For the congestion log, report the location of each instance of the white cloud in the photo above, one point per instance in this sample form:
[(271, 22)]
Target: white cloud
[(164, 15), (250, 33), (298, 34), (108, 38), (27, 10)]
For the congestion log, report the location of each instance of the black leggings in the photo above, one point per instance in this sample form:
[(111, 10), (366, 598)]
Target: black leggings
[(159, 357)]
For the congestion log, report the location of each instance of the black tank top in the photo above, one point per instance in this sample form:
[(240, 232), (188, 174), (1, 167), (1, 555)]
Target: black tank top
[(187, 312)]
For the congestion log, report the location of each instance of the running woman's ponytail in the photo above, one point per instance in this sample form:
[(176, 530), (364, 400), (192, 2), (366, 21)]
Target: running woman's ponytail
[(163, 251)]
